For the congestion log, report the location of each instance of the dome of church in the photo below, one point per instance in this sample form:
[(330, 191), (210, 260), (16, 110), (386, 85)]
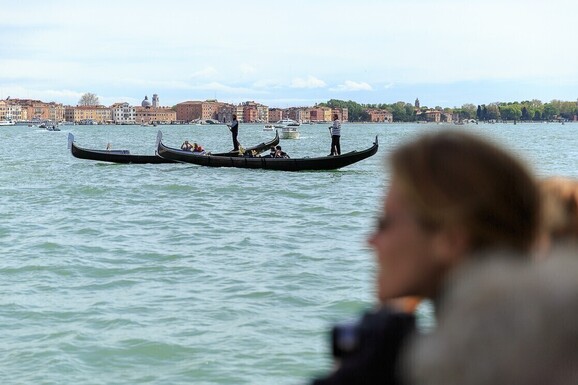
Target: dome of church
[(145, 102)]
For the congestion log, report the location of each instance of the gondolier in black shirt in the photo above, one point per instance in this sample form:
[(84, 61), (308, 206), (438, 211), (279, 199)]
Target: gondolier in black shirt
[(234, 128)]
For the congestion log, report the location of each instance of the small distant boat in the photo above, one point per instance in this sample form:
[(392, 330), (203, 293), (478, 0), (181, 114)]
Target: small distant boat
[(290, 132), (268, 127), (7, 123)]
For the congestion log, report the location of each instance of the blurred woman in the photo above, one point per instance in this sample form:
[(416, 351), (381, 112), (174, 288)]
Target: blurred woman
[(453, 197)]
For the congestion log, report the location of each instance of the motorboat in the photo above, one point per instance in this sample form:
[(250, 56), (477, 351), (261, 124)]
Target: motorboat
[(289, 132), (7, 123), (287, 123)]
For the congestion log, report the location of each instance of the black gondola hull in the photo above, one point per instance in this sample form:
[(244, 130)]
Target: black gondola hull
[(279, 164), (124, 156)]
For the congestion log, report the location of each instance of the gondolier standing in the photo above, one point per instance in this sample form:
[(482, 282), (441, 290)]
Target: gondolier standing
[(234, 128), (335, 131)]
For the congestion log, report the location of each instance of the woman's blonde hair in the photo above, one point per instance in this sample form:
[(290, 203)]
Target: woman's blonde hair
[(560, 207), (454, 178)]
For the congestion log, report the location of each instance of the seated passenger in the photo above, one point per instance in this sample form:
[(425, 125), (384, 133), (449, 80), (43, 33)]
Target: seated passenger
[(279, 153), (186, 146), (271, 154), (249, 154), (197, 148)]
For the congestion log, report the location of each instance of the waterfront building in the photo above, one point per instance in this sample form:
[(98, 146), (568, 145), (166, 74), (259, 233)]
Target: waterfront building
[(55, 112), (299, 114), (225, 113), (302, 114), (379, 116), (249, 114), (254, 112), (92, 114), (275, 115), (321, 114), (3, 110), (152, 113), (145, 102), (123, 113), (238, 110), (197, 110), (432, 115), (32, 109), (10, 111), (69, 113), (342, 114), (345, 114), (262, 113)]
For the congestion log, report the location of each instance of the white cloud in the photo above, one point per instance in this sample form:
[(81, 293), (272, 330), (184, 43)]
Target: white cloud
[(309, 82), (216, 86), (349, 85), (247, 69), (267, 83), (206, 72)]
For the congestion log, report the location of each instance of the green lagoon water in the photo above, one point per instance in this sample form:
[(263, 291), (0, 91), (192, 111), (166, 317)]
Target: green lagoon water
[(179, 274)]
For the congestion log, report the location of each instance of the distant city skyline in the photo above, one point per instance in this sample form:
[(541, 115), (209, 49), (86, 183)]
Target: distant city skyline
[(446, 52)]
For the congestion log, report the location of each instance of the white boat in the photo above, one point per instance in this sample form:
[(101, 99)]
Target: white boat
[(287, 123), (7, 123), (268, 127), (290, 132)]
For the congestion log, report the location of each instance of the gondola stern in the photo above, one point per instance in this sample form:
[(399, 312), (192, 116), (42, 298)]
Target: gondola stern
[(70, 140), (159, 138)]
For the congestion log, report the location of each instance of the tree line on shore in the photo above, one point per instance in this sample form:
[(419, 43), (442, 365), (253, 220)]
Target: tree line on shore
[(528, 110)]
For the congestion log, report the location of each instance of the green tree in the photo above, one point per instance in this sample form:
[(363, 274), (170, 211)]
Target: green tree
[(492, 112), (525, 114), (364, 116), (402, 112), (550, 111), (510, 112), (479, 113), (468, 111)]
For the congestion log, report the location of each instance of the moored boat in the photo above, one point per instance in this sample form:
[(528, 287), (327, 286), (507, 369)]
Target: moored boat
[(279, 164), (7, 123)]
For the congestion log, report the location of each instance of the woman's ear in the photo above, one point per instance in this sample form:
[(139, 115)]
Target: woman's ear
[(450, 245)]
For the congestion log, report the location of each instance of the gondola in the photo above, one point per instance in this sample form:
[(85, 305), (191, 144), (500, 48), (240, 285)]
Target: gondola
[(280, 164), (124, 156)]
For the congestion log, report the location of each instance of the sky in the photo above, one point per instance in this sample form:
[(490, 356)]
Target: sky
[(294, 53)]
